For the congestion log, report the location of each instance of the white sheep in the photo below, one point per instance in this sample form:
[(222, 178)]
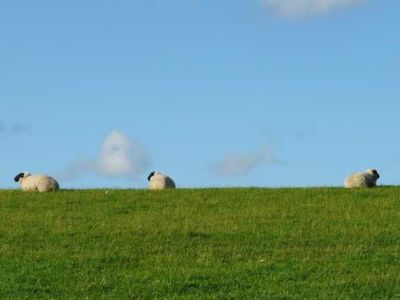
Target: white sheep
[(158, 181), (36, 183), (365, 179)]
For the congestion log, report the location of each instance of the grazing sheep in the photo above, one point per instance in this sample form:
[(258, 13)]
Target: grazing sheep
[(365, 179), (158, 181), (36, 183)]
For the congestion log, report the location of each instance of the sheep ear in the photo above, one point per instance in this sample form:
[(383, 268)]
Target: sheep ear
[(150, 175), (18, 177)]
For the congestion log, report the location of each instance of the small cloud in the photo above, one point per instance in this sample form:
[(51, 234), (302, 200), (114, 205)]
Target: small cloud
[(19, 128), (119, 156), (301, 8), (78, 169), (13, 129), (241, 164)]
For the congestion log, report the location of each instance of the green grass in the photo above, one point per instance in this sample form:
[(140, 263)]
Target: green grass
[(324, 243)]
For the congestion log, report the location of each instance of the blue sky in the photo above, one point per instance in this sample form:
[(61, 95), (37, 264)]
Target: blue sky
[(213, 93)]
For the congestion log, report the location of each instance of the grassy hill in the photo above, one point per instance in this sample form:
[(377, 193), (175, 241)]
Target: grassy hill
[(206, 243)]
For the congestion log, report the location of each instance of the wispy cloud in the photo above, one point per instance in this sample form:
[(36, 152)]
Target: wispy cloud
[(301, 8), (235, 164), (78, 169), (13, 129), (119, 156)]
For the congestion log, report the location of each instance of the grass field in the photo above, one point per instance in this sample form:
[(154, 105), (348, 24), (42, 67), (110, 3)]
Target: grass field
[(324, 243)]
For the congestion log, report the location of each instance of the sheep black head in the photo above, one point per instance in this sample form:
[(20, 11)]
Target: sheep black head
[(150, 175), (375, 173), (19, 176)]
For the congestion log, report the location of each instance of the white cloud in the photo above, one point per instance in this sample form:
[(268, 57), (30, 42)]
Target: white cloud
[(299, 8), (119, 156), (241, 164)]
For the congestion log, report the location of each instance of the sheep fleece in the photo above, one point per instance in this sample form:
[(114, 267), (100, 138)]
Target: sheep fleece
[(159, 182), (40, 183), (360, 180)]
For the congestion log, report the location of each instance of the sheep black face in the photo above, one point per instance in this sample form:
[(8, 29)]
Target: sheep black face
[(150, 175), (375, 173), (18, 177)]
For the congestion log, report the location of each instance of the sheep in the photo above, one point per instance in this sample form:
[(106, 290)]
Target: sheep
[(365, 179), (158, 181), (39, 183)]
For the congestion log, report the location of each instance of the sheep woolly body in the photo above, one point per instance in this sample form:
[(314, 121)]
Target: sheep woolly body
[(158, 181), (365, 179), (40, 183)]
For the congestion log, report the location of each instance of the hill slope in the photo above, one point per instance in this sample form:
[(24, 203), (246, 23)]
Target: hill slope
[(211, 243)]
